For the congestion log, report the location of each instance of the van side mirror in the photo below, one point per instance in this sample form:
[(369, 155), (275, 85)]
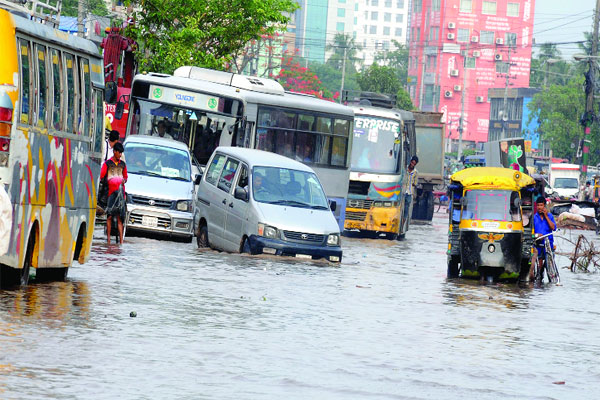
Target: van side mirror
[(110, 92), (197, 179), (119, 108), (240, 193), (333, 205)]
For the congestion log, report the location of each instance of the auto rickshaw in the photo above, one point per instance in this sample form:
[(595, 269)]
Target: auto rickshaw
[(596, 193), (490, 233)]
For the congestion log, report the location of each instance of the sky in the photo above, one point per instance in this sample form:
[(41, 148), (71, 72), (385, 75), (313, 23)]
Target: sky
[(563, 21)]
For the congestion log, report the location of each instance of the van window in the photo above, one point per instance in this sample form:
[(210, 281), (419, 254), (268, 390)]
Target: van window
[(214, 171), (228, 174), (287, 187), (243, 178)]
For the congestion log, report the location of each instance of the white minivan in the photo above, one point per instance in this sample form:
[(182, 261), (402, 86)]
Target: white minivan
[(260, 202)]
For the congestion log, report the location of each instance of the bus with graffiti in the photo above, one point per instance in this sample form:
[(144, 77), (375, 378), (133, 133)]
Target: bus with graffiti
[(51, 136), (383, 143)]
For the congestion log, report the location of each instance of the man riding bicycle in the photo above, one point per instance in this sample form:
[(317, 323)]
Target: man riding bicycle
[(543, 224)]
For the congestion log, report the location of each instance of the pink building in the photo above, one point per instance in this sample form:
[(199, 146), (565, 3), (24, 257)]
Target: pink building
[(458, 49)]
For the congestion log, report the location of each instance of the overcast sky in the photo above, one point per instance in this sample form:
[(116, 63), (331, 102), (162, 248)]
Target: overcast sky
[(563, 21)]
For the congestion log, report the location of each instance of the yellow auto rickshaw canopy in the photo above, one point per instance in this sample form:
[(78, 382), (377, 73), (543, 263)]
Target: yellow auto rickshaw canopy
[(492, 178)]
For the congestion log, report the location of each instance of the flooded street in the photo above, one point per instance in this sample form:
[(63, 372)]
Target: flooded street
[(385, 324)]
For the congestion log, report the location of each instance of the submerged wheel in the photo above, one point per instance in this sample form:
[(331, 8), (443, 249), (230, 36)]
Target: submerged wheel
[(202, 237), (391, 236), (15, 276), (245, 247), (452, 267)]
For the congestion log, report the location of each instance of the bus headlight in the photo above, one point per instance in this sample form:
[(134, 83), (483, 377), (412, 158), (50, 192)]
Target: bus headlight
[(184, 205), (388, 204), (333, 239), (267, 231)]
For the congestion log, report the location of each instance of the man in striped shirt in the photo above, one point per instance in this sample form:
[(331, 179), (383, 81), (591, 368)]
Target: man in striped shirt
[(411, 184)]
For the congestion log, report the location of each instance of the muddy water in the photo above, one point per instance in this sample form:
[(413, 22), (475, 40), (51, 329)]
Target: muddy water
[(384, 324)]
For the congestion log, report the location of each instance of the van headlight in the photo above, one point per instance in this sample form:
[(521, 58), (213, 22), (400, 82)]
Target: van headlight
[(184, 205), (333, 239), (267, 231)]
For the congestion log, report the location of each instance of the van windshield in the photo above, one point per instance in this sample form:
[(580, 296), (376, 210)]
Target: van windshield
[(496, 205), (289, 187), (566, 183), (153, 160)]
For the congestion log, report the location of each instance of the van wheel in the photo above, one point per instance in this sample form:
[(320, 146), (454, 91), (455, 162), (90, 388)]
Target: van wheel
[(202, 237)]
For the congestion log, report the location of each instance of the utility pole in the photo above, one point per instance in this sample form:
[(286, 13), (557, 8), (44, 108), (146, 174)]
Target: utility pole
[(80, 12), (589, 89), (462, 103), (344, 73), (504, 111)]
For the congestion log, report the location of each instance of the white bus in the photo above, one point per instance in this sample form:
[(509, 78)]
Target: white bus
[(206, 108), (51, 136)]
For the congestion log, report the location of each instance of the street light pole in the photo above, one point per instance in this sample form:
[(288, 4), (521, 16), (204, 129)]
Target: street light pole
[(462, 103)]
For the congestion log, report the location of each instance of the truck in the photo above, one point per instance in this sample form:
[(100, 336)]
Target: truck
[(565, 179), (430, 133)]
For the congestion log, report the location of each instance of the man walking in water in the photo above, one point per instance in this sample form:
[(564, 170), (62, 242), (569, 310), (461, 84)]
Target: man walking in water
[(411, 184), (115, 172)]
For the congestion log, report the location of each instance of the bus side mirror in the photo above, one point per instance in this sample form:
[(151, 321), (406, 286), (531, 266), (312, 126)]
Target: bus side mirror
[(110, 92), (119, 108), (333, 205)]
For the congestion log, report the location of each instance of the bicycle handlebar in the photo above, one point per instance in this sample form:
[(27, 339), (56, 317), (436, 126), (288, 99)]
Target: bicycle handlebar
[(544, 236)]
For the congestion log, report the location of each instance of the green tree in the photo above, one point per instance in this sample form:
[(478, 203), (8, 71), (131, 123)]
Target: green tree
[(96, 7), (343, 43), (558, 110), (332, 77), (397, 59), (383, 79), (204, 33), (548, 67)]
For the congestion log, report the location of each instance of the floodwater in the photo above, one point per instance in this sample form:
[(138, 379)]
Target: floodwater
[(385, 324)]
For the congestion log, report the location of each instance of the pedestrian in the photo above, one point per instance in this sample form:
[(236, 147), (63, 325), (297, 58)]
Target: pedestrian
[(113, 138), (115, 172), (411, 185), (543, 224)]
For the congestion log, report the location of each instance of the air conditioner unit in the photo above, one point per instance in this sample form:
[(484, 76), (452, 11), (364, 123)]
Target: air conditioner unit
[(457, 88), (479, 99), (474, 39), (453, 72), (499, 41), (498, 57), (451, 36), (476, 53), (447, 94), (451, 25)]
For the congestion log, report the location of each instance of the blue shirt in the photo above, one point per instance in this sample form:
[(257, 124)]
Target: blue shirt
[(540, 225)]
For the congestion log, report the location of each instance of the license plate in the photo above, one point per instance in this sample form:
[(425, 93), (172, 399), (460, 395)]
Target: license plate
[(303, 256), (353, 225), (490, 225), (151, 222)]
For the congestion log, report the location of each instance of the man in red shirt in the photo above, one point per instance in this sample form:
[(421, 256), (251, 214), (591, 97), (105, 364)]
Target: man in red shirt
[(115, 172)]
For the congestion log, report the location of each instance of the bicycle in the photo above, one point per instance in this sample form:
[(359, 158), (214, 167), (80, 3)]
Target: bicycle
[(551, 268)]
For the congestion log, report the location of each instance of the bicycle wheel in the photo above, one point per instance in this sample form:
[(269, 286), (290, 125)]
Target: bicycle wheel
[(551, 269)]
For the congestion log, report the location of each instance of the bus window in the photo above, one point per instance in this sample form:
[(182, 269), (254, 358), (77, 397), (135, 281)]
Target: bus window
[(42, 86), (340, 142), (56, 90), (99, 121), (70, 101), (322, 150), (323, 125), (25, 74), (86, 97)]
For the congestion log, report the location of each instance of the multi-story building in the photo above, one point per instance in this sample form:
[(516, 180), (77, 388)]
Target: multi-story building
[(372, 23), (458, 49)]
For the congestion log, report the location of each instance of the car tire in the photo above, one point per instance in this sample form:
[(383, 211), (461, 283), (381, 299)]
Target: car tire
[(245, 247), (202, 237)]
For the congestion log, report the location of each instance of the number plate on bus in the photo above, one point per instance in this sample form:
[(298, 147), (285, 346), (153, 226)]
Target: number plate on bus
[(149, 221)]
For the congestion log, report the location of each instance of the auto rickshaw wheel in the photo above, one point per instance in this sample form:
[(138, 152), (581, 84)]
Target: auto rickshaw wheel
[(453, 262)]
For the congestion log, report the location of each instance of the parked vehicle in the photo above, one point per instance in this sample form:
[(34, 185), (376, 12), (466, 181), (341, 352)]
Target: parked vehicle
[(564, 179), (491, 223), (256, 202), (160, 187)]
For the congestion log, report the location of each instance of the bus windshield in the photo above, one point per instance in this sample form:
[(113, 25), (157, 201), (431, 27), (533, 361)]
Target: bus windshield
[(287, 187), (496, 205), (376, 145), (200, 130)]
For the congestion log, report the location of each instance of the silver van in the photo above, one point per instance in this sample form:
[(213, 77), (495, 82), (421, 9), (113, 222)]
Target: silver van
[(256, 202), (160, 186)]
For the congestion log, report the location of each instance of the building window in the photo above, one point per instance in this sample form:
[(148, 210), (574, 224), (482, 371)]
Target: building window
[(388, 3), (417, 6), (354, 35), (435, 5), (386, 45), (502, 67), (510, 39), (418, 34), (387, 17), (434, 32), (341, 12), (470, 62), (399, 3), (373, 30), (512, 10), (341, 1), (486, 37), (386, 30), (355, 6), (463, 35), (431, 63), (375, 3), (374, 15), (355, 20), (398, 31), (366, 15), (399, 17), (428, 95), (489, 8), (339, 27), (365, 28), (466, 6)]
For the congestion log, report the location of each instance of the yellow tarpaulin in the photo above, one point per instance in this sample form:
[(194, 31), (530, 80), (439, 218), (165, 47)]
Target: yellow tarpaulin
[(492, 177)]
